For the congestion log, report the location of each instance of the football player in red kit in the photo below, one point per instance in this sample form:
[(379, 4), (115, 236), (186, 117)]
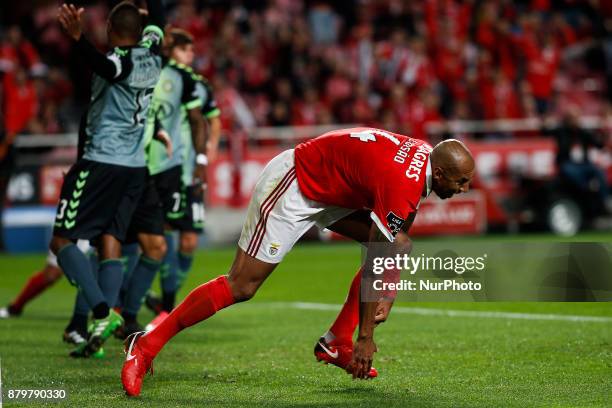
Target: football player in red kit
[(363, 183)]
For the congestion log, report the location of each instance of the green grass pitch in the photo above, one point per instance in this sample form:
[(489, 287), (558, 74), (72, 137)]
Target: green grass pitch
[(259, 354)]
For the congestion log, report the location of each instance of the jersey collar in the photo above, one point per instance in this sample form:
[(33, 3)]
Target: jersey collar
[(428, 179)]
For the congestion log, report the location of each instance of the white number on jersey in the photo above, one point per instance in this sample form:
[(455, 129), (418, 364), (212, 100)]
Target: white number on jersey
[(370, 136)]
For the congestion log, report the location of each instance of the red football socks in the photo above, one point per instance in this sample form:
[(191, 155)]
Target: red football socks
[(36, 284), (203, 302), (348, 319)]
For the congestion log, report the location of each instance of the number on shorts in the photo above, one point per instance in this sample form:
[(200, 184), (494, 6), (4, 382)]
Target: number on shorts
[(177, 202), (198, 212), (62, 208)]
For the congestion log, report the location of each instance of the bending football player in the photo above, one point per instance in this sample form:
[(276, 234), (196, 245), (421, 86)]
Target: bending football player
[(328, 182)]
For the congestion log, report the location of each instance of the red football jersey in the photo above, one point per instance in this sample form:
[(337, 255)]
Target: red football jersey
[(365, 168)]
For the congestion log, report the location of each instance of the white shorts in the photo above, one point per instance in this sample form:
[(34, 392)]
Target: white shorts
[(82, 244), (279, 214)]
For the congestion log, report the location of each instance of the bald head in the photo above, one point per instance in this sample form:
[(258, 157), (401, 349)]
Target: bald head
[(452, 153), (452, 167)]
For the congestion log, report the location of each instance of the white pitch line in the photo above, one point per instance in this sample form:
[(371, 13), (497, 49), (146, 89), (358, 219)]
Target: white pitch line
[(421, 311)]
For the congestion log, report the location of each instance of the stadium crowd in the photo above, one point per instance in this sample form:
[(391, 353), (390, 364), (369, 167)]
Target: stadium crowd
[(388, 63)]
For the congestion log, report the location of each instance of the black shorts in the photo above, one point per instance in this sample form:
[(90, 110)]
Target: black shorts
[(171, 192), (148, 217), (193, 218), (98, 198)]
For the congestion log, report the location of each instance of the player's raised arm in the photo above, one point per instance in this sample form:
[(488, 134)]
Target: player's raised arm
[(70, 19), (154, 24), (157, 17)]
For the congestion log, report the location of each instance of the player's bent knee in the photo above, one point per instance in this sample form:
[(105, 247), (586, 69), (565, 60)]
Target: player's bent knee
[(57, 243), (155, 248), (188, 243), (110, 247), (246, 275), (244, 292)]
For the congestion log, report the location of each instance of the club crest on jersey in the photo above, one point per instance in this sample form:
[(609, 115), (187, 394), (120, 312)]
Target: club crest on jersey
[(273, 249), (394, 222), (167, 85)]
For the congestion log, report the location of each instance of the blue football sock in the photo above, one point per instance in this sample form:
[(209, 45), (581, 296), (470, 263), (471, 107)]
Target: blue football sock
[(129, 256), (110, 278), (140, 282), (184, 266), (93, 261), (77, 269), (169, 281), (185, 261), (81, 307)]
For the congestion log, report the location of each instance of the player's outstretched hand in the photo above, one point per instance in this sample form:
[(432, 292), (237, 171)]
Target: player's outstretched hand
[(70, 19), (382, 310), (363, 354)]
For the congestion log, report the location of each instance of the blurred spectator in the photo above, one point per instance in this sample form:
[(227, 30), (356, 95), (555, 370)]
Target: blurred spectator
[(417, 70), (542, 64), (20, 102), (324, 24), (16, 51), (504, 102), (316, 62), (577, 168), (280, 114), (423, 109), (307, 110)]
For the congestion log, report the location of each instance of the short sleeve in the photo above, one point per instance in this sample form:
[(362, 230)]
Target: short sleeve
[(190, 98), (123, 63), (392, 207), (209, 104)]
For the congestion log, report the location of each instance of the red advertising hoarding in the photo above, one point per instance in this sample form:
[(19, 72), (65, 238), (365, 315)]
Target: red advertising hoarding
[(463, 214), (497, 163)]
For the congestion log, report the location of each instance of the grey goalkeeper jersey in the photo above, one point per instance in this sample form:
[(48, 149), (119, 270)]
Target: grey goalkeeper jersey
[(114, 129), (174, 95)]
